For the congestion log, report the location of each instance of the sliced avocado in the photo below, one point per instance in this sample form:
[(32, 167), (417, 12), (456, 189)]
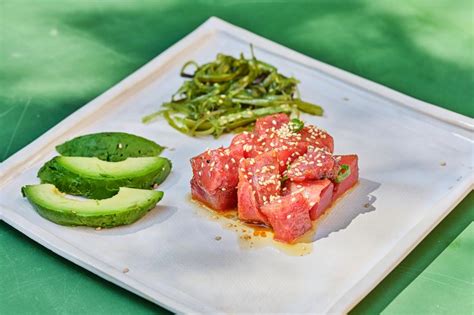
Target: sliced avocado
[(97, 179), (126, 207), (110, 146)]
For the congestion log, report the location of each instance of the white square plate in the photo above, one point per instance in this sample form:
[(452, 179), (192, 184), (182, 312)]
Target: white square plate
[(173, 257)]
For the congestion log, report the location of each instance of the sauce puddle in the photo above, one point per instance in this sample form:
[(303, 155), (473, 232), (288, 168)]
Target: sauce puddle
[(252, 236)]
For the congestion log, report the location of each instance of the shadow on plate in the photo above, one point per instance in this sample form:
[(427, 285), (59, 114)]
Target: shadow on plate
[(356, 202)]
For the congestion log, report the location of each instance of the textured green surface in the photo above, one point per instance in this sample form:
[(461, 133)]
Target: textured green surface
[(96, 179), (109, 146), (443, 279), (424, 291), (126, 207), (57, 55)]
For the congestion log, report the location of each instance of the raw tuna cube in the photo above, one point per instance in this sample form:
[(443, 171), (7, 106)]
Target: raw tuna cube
[(215, 178), (324, 203), (280, 138), (351, 180), (242, 144), (285, 151), (317, 137), (259, 183), (318, 193), (317, 163), (265, 176), (248, 208), (217, 200), (288, 216), (268, 124)]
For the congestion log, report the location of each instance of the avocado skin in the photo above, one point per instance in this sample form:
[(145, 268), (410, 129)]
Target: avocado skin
[(73, 183), (107, 220), (110, 146)]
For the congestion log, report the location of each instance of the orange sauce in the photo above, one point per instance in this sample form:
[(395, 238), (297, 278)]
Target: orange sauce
[(253, 236)]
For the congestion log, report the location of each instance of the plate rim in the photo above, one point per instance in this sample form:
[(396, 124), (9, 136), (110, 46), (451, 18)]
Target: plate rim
[(213, 25)]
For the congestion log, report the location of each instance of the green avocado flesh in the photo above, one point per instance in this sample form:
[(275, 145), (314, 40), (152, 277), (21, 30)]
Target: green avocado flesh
[(126, 207), (110, 146), (97, 179)]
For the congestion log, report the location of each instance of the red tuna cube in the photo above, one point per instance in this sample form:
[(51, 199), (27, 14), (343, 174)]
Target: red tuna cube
[(317, 137), (242, 144), (215, 178), (279, 138), (288, 216), (318, 193), (317, 163), (324, 202), (285, 152), (259, 183), (268, 124), (351, 180), (217, 200), (247, 206)]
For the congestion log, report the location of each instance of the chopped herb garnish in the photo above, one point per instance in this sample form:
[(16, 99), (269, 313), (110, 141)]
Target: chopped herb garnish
[(230, 93), (344, 172), (296, 125)]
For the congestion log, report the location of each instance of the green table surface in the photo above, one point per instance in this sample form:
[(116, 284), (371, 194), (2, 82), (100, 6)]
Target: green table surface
[(55, 56)]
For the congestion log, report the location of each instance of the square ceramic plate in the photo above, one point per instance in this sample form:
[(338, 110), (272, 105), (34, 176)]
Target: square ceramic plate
[(171, 253)]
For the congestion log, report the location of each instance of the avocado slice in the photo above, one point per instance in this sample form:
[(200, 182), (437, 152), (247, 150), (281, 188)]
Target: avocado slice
[(97, 179), (110, 146), (126, 207)]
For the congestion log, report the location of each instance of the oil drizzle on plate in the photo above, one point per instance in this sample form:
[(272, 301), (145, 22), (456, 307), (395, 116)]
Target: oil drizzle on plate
[(252, 236)]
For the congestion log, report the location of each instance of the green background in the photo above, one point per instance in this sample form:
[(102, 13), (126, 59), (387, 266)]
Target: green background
[(55, 56)]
